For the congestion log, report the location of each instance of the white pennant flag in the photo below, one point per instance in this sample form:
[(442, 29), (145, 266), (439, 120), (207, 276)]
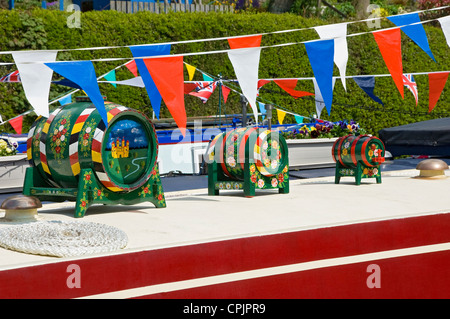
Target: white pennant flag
[(338, 32), (320, 104), (445, 24), (246, 65), (36, 77)]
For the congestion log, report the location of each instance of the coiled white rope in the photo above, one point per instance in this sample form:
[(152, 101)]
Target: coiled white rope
[(63, 239)]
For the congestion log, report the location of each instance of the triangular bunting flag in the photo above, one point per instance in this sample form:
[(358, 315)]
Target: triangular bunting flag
[(338, 32), (16, 123), (245, 42), (320, 104), (262, 109), (147, 51), (445, 25), (367, 84), (83, 74), (67, 82), (436, 82), (289, 86), (136, 82), (207, 78), (167, 73), (281, 114), (321, 58), (225, 92), (204, 92), (298, 119), (410, 83), (415, 32), (260, 85), (13, 77), (132, 67), (189, 87), (389, 43), (191, 71), (244, 57), (36, 77), (66, 100), (111, 76)]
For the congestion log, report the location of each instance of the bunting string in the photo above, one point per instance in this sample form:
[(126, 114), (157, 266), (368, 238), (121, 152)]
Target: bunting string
[(237, 37), (216, 39)]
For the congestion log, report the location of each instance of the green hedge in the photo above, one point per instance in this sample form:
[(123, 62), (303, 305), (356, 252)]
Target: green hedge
[(47, 29)]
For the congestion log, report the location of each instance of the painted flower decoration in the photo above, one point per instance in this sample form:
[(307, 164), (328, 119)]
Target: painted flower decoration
[(260, 183), (274, 182)]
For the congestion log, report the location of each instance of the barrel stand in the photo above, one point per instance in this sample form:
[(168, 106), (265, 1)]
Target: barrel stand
[(358, 172), (252, 180), (90, 191)]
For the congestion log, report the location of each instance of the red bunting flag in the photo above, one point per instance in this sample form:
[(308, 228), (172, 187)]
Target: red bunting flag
[(16, 123), (289, 87), (225, 92), (204, 91), (132, 67), (167, 73), (389, 43), (245, 42), (261, 83), (436, 83)]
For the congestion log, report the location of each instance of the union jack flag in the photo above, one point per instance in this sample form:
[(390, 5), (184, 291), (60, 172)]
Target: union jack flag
[(204, 90), (408, 81), (12, 77)]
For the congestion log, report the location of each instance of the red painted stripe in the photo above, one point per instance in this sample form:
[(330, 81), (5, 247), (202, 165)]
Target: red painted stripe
[(339, 157), (132, 270), (115, 111), (353, 147), (81, 119), (419, 276), (96, 145), (244, 139), (73, 158), (221, 152), (333, 150), (363, 154)]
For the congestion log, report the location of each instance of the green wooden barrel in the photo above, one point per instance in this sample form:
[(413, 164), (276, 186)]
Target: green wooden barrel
[(349, 150), (122, 154), (267, 149)]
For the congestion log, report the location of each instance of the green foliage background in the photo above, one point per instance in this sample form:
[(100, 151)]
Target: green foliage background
[(47, 29)]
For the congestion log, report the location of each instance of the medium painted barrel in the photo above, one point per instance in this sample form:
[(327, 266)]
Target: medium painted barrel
[(349, 150), (122, 154), (267, 149)]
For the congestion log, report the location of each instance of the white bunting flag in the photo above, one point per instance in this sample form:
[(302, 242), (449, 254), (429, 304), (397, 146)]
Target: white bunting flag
[(445, 25), (320, 104), (36, 77), (246, 65), (338, 32)]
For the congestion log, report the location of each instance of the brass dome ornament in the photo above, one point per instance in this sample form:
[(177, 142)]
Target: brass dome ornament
[(432, 169), (21, 208)]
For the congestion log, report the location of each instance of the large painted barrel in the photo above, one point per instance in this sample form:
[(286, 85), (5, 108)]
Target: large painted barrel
[(349, 150), (122, 154), (266, 149)]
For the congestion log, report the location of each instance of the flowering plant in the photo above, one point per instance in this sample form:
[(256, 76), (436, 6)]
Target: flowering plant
[(324, 129), (6, 149)]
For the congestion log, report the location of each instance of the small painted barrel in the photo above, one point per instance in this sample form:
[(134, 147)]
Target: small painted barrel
[(267, 149), (122, 154), (349, 150)]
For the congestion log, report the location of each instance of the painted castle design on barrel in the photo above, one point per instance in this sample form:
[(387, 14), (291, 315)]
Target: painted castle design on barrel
[(119, 150)]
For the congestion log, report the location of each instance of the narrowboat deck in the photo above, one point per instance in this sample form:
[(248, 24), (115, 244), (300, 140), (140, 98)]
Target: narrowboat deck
[(315, 242)]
